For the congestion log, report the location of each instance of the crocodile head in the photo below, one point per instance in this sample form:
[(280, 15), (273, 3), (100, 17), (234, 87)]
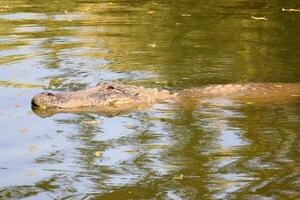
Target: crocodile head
[(104, 94)]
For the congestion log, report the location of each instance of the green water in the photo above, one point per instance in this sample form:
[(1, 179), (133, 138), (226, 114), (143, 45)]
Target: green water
[(222, 150)]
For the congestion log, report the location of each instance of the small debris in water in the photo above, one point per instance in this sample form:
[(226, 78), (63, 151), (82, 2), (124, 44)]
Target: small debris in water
[(249, 103), (98, 153), (30, 173), (185, 15), (290, 10), (179, 177), (24, 130), (153, 45), (161, 82), (259, 18), (151, 11)]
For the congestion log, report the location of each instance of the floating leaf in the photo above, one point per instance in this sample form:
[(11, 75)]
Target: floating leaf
[(290, 10), (153, 45), (259, 18), (179, 177), (98, 153)]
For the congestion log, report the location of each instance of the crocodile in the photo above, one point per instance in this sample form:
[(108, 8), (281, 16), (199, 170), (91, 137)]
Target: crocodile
[(114, 98)]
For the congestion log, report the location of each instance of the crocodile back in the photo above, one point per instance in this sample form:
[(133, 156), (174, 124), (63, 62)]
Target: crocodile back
[(246, 90)]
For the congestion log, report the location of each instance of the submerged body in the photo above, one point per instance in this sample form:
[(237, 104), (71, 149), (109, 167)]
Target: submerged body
[(116, 98)]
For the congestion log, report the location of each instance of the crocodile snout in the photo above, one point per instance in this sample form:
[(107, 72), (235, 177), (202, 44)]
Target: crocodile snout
[(40, 100)]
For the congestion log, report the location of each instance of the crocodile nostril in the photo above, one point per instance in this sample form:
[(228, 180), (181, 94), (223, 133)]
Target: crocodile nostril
[(33, 103)]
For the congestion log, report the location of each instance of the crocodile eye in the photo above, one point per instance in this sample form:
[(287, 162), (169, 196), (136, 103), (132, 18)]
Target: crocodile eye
[(110, 87)]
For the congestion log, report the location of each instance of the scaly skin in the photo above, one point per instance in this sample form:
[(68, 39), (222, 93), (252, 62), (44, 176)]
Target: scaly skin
[(245, 90), (112, 99), (104, 94)]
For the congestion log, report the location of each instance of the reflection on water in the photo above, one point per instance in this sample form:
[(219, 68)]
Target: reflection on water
[(215, 149)]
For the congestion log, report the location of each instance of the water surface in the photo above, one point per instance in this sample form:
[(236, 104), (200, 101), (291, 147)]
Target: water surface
[(218, 150)]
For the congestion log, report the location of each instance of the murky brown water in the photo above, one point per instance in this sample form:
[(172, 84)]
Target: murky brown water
[(220, 150)]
